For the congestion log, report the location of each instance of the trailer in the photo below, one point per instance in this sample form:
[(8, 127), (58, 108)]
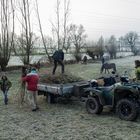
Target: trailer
[(53, 91)]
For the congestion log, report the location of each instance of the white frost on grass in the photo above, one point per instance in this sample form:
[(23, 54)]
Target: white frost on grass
[(65, 121)]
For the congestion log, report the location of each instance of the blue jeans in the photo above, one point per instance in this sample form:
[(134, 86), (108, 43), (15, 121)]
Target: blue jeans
[(5, 93)]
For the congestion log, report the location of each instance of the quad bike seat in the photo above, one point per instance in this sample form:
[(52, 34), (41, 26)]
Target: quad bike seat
[(106, 88)]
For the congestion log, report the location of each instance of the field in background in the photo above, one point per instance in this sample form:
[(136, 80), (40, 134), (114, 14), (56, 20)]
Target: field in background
[(65, 121), (16, 61)]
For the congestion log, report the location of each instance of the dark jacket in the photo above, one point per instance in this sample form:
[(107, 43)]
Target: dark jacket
[(137, 73), (5, 84), (103, 60), (58, 55)]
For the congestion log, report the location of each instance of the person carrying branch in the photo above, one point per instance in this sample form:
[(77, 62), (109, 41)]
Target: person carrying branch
[(5, 84), (58, 57), (32, 80)]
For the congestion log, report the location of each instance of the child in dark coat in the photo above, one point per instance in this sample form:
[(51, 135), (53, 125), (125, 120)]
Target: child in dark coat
[(5, 84)]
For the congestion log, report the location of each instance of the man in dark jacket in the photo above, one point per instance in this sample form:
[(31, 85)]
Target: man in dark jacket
[(58, 57)]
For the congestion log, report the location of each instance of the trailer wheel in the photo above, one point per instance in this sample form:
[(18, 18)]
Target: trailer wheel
[(51, 98), (93, 106)]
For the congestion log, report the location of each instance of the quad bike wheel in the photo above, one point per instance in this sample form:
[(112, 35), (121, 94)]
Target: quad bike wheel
[(93, 106), (127, 110)]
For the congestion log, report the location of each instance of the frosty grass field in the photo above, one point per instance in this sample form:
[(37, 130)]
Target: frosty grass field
[(65, 121)]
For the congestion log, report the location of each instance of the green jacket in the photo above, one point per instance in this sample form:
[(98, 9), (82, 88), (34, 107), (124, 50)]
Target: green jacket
[(5, 85), (137, 73)]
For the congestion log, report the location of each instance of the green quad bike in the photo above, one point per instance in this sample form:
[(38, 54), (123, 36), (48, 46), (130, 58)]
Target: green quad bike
[(123, 98)]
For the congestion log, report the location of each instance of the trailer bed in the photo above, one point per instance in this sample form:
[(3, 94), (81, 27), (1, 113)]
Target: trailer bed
[(63, 89)]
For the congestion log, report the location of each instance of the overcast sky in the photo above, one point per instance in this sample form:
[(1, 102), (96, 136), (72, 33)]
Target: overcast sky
[(99, 17)]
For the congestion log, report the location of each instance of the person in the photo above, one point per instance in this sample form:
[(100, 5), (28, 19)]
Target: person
[(32, 80), (58, 57), (5, 84), (137, 71), (103, 60)]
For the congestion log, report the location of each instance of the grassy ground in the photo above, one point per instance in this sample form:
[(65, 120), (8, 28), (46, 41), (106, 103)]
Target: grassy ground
[(65, 121)]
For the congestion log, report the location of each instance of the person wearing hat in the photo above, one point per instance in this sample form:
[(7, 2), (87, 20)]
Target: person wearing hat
[(32, 80)]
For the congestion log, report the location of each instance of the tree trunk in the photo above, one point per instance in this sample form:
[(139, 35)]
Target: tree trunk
[(41, 32)]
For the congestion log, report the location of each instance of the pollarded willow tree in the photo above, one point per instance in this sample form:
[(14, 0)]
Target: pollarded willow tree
[(112, 47), (96, 49), (7, 16), (66, 38), (56, 26), (101, 46), (27, 38), (60, 26), (49, 42), (78, 38), (131, 39)]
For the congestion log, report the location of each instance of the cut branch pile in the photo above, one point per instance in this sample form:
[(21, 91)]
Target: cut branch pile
[(59, 78)]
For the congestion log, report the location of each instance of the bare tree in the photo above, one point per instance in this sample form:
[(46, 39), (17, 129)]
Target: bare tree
[(60, 27), (131, 39), (21, 47), (6, 31), (96, 49), (56, 27), (101, 45), (41, 32), (78, 37), (121, 43), (66, 30), (27, 35), (13, 5), (112, 47), (58, 23), (51, 44), (93, 51)]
